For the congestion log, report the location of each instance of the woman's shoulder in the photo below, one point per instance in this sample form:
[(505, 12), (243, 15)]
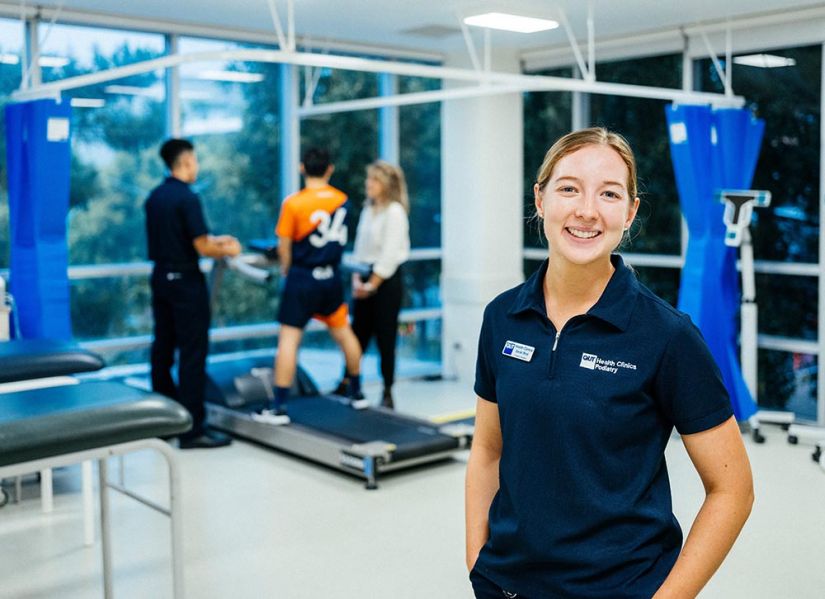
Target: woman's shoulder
[(663, 314), (504, 301), (396, 210)]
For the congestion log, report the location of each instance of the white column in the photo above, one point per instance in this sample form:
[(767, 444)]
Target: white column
[(482, 213)]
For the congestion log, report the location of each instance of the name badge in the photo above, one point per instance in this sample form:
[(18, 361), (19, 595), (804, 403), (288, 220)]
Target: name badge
[(519, 351)]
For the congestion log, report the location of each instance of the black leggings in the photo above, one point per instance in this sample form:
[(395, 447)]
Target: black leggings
[(377, 316)]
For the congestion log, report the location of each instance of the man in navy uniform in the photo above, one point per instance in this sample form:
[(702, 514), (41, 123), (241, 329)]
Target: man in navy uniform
[(178, 236)]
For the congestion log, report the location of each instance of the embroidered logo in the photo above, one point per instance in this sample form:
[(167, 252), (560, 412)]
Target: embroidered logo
[(519, 351), (594, 362), (588, 361)]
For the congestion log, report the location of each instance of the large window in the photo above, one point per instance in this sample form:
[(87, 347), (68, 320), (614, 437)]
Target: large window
[(420, 150), (230, 110), (642, 121), (11, 50), (116, 129), (787, 97), (547, 116)]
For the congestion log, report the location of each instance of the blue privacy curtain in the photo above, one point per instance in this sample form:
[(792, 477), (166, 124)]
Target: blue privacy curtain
[(38, 159), (713, 150)]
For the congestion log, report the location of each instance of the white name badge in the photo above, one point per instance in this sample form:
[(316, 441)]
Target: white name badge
[(519, 351)]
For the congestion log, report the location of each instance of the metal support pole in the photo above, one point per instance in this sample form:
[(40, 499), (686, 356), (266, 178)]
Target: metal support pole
[(88, 504), (172, 84), (687, 85), (290, 131), (591, 44), (468, 41), (46, 491), (105, 532), (31, 66), (388, 135), (749, 315)]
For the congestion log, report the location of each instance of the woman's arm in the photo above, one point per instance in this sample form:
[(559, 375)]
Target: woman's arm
[(394, 244), (481, 484), (722, 463)]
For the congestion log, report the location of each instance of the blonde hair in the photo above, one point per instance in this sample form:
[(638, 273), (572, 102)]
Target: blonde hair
[(576, 140), (393, 181)]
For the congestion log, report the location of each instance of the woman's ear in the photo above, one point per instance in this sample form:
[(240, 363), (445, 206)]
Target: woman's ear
[(538, 201), (631, 214)]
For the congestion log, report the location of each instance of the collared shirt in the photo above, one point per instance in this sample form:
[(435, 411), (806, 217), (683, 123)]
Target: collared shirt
[(174, 218), (383, 238), (584, 507)]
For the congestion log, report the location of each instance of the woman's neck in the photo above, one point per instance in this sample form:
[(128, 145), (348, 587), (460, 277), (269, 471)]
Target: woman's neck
[(572, 289)]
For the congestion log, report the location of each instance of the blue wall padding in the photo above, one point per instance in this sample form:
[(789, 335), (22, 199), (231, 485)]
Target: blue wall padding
[(713, 150), (38, 159)]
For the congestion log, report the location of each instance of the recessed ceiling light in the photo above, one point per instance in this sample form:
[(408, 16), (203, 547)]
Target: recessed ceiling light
[(156, 91), (231, 76), (765, 61), (88, 102), (506, 22)]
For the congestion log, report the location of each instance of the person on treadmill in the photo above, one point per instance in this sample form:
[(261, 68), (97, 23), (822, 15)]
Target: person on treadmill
[(177, 237), (312, 232)]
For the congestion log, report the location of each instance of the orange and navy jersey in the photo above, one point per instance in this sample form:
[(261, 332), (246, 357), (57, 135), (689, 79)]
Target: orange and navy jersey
[(316, 221)]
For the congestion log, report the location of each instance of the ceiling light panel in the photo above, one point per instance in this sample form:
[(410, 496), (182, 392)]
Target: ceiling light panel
[(507, 22), (231, 76), (764, 61)]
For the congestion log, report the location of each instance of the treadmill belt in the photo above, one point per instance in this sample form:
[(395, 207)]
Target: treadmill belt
[(411, 438)]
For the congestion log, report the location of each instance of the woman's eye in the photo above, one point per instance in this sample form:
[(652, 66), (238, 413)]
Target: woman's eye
[(567, 189), (612, 195)]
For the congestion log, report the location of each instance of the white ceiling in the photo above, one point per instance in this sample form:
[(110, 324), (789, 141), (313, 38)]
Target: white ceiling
[(383, 22)]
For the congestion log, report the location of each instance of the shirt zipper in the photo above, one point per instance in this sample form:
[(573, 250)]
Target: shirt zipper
[(552, 368)]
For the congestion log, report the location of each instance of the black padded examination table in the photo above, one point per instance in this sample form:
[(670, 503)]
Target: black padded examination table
[(59, 426), (23, 359)]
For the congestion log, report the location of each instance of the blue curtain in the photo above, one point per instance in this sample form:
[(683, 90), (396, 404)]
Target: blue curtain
[(38, 160), (713, 150)]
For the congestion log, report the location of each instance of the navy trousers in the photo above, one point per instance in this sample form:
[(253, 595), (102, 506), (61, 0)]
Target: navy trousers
[(180, 306)]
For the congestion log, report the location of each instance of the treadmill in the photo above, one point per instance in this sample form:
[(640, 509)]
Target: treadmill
[(324, 428)]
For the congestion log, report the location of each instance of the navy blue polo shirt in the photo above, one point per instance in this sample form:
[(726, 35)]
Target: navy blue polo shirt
[(174, 218), (584, 507)]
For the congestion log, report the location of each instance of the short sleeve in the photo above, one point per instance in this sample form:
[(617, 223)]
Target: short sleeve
[(286, 221), (689, 385), (194, 221), (485, 386)]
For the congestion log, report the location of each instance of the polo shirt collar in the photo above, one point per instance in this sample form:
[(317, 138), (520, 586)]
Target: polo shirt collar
[(615, 306)]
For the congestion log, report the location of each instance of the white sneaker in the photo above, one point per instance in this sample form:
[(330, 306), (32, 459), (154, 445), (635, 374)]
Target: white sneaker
[(359, 404), (267, 416)]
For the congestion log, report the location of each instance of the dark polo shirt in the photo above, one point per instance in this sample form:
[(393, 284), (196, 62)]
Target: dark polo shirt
[(584, 506), (174, 218)]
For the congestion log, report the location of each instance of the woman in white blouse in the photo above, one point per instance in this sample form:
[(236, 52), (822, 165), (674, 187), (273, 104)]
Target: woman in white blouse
[(382, 242)]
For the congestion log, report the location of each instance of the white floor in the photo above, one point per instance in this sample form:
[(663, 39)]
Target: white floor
[(261, 524)]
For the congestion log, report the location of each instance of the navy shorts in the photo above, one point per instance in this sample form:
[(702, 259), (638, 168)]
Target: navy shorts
[(484, 588), (313, 293)]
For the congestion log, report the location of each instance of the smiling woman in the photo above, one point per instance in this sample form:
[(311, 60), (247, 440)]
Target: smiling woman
[(583, 374), (586, 195)]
